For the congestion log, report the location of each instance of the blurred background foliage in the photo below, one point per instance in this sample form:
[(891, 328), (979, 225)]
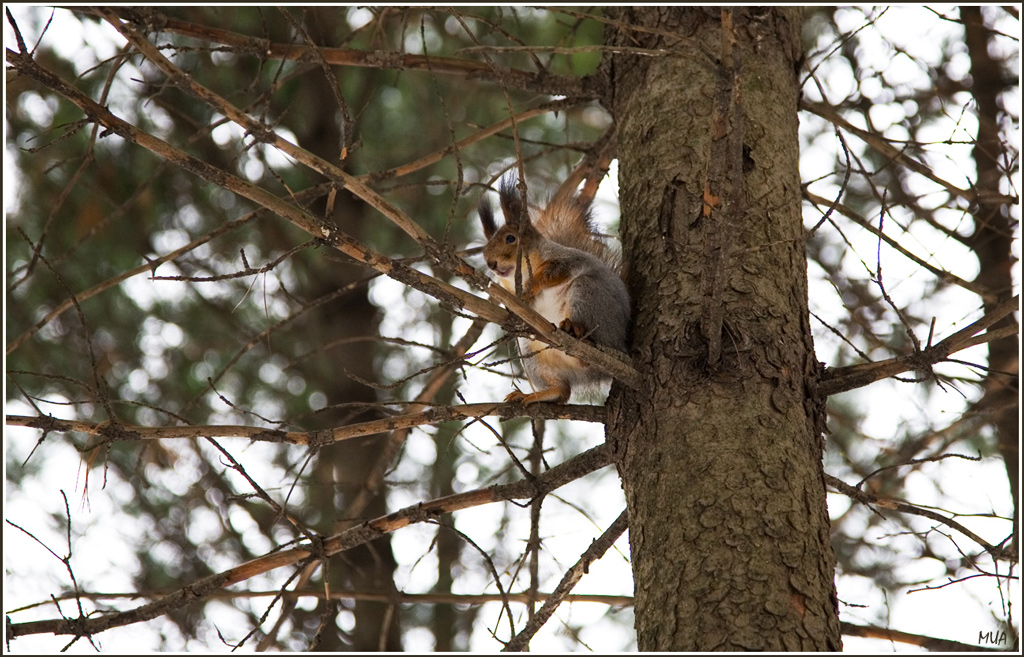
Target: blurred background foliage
[(300, 346)]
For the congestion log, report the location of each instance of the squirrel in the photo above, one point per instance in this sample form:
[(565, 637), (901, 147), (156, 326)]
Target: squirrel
[(568, 275)]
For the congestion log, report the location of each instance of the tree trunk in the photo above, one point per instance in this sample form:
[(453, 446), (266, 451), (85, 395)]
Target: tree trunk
[(341, 470), (720, 451), (992, 242)]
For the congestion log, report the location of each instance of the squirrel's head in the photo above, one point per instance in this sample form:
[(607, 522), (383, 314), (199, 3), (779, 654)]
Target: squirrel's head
[(507, 243)]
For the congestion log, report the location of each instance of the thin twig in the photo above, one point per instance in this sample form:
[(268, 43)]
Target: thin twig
[(902, 507), (554, 478), (317, 438), (841, 379), (569, 580)]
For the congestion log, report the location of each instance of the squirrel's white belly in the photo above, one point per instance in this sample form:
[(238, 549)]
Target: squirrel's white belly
[(553, 303), (548, 364), (544, 365)]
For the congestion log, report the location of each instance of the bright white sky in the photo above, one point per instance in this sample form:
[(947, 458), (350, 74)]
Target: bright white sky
[(957, 612)]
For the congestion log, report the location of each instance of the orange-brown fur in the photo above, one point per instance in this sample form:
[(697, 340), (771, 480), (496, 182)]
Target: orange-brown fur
[(567, 274)]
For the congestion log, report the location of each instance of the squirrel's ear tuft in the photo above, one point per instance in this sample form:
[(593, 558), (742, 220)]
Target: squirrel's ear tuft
[(512, 203), (486, 217)]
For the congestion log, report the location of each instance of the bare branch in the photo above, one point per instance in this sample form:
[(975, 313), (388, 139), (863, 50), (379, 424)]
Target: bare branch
[(941, 274), (394, 597), (445, 292), (573, 469), (841, 379), (585, 413), (569, 580), (397, 438), (541, 82), (480, 135), (880, 144), (903, 507), (926, 642), (299, 217)]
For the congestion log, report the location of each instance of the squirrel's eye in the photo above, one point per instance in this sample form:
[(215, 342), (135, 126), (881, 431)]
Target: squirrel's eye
[(510, 239)]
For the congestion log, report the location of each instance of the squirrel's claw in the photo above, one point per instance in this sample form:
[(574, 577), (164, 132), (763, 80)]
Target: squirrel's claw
[(516, 395)]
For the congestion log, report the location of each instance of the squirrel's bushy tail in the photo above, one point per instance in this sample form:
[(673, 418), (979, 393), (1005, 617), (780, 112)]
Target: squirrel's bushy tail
[(566, 220)]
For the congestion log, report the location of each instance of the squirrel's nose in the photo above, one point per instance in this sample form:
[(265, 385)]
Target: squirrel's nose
[(492, 264)]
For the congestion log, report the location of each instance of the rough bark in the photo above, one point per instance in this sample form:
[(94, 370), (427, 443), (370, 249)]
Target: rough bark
[(719, 453)]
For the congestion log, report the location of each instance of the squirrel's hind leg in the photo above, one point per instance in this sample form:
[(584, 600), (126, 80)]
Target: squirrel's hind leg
[(558, 393)]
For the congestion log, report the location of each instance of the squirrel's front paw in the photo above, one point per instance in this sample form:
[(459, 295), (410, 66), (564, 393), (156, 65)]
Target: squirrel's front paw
[(575, 329)]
